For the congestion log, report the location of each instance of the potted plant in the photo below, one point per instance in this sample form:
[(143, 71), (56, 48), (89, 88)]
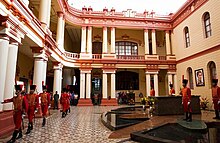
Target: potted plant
[(204, 103)]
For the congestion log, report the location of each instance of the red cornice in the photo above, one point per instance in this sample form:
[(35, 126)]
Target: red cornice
[(199, 54)]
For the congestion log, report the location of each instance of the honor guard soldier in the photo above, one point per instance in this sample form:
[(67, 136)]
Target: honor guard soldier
[(216, 97), (20, 107), (64, 102), (33, 104), (45, 103), (186, 100), (172, 91)]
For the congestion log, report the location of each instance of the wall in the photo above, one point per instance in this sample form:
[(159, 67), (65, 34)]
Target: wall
[(198, 44)]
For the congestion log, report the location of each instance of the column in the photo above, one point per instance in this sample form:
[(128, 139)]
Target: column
[(175, 84), (4, 43), (104, 86), (60, 30), (112, 40), (170, 81), (105, 41), (57, 79), (146, 42), (38, 73), (173, 50), (156, 84), (10, 74), (154, 44), (147, 84), (83, 40), (44, 12), (82, 85), (89, 40), (168, 42), (113, 85), (88, 85), (44, 72)]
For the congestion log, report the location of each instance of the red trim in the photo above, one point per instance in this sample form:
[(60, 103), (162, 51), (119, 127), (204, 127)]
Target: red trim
[(202, 53), (85, 102)]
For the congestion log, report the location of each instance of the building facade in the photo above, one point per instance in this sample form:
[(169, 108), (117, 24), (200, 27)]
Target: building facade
[(105, 52)]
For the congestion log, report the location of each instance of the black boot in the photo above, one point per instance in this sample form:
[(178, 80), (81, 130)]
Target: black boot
[(69, 110), (63, 115), (44, 122), (29, 129), (19, 134), (31, 125), (186, 116), (216, 115), (12, 140), (190, 117)]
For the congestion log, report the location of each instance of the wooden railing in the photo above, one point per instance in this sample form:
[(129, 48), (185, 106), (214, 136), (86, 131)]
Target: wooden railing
[(130, 57), (71, 55)]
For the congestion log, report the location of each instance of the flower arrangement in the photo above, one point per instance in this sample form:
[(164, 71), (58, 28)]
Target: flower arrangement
[(144, 100), (204, 102)]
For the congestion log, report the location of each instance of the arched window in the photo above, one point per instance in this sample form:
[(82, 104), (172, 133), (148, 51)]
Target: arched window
[(126, 48), (186, 35), (207, 25), (212, 71), (126, 80), (190, 77)]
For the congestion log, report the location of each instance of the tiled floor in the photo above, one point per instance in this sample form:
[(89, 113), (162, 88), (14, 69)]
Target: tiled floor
[(82, 125)]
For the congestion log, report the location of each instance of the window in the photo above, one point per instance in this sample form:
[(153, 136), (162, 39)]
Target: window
[(126, 48), (126, 80), (212, 71), (187, 39), (207, 25), (190, 77)]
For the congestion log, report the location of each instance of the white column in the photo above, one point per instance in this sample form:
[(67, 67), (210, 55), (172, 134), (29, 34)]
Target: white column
[(44, 72), (154, 44), (83, 40), (4, 43), (175, 84), (172, 44), (38, 73), (148, 84), (60, 30), (112, 40), (61, 78), (57, 79), (10, 73), (168, 42), (104, 85), (156, 84), (113, 85), (89, 40), (88, 85), (146, 42), (82, 85), (105, 41), (170, 80), (44, 12), (26, 2)]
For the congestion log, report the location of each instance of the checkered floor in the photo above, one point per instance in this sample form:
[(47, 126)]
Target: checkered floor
[(82, 125)]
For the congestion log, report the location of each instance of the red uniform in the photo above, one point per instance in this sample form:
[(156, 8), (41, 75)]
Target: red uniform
[(186, 97), (216, 97), (20, 105), (45, 102), (152, 92), (64, 101), (33, 103), (172, 91)]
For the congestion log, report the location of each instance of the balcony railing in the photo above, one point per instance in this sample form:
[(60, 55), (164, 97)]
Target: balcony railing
[(70, 55), (96, 56), (130, 57), (161, 58)]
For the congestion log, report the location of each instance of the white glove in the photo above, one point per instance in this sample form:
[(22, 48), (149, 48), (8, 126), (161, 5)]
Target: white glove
[(49, 106), (35, 111), (182, 102), (188, 103), (219, 102)]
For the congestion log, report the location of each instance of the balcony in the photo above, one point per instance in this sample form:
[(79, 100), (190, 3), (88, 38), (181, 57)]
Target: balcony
[(130, 57)]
